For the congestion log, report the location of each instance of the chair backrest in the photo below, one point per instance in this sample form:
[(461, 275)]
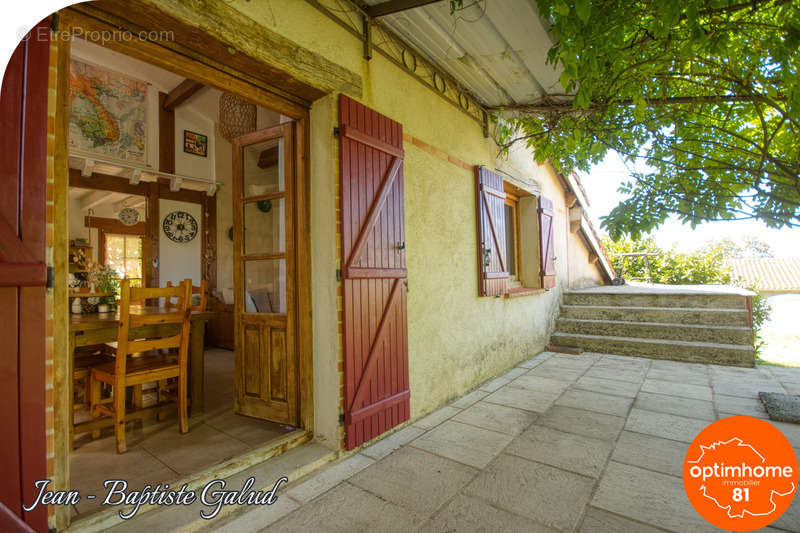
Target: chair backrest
[(201, 289), (147, 325)]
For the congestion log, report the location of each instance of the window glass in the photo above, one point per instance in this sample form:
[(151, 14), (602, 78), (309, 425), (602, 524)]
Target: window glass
[(124, 256), (511, 248)]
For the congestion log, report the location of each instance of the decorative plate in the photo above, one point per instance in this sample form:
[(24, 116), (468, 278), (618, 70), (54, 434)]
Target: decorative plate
[(129, 216), (180, 226)]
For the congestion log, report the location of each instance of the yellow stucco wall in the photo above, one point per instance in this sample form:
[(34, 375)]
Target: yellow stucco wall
[(456, 339)]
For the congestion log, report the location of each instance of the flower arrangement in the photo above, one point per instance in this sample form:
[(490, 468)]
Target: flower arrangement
[(105, 279)]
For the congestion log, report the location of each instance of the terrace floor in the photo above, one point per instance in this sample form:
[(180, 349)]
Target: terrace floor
[(589, 443)]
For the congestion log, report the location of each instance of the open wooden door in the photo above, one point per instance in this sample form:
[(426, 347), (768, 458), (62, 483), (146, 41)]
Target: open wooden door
[(374, 276), (264, 282), (23, 276)]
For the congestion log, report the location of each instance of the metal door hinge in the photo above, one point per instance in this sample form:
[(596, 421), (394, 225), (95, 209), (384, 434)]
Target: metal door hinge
[(50, 276), (341, 419), (338, 274)]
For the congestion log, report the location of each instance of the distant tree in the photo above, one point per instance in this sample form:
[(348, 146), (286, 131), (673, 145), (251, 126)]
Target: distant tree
[(706, 93), (747, 247), (669, 266)]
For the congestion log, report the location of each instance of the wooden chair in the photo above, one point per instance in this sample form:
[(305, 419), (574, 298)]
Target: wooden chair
[(84, 360), (201, 289), (149, 365)]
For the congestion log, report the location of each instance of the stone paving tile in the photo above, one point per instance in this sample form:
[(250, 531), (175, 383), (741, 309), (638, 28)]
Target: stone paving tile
[(495, 384), (682, 390), (792, 388), (548, 495), (666, 364), (561, 374), (624, 359), (471, 514), (345, 509), (514, 373), (329, 478), (790, 520), (785, 375), (385, 446), (415, 480), (615, 373), (571, 361), (595, 401), (537, 383), (679, 376), (437, 417), (259, 517), (496, 417), (582, 422), (664, 425), (467, 444), (599, 521), (536, 401), (746, 389), (652, 453), (675, 405), (608, 386), (468, 399), (735, 405), (536, 361), (576, 453), (649, 497)]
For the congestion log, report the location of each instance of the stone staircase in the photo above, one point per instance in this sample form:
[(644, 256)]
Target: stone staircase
[(691, 323)]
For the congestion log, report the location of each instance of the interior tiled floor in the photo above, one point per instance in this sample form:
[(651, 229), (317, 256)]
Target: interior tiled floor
[(591, 444), (158, 453)]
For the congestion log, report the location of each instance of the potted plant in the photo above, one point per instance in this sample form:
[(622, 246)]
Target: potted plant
[(105, 279)]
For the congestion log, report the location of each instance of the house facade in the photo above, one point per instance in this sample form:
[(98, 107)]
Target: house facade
[(419, 260)]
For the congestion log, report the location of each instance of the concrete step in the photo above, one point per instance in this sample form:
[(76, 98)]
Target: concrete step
[(657, 330), (657, 299), (695, 352), (679, 315)]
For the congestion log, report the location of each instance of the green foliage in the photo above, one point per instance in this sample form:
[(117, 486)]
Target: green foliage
[(668, 267), (705, 93)]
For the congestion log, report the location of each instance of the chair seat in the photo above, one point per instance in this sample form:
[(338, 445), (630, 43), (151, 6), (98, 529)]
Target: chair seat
[(143, 368), (82, 365)]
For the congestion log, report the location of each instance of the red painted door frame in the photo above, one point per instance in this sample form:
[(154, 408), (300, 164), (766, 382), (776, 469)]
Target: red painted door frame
[(23, 182), (374, 275)]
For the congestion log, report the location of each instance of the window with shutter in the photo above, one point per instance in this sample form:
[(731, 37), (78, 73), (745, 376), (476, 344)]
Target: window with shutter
[(491, 219), (546, 243)]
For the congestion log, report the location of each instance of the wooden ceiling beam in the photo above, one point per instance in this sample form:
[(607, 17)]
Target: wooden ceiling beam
[(396, 6), (185, 90)]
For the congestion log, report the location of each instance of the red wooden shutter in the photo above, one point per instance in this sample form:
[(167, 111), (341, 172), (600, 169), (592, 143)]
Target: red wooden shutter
[(546, 243), (374, 276), (23, 181), (491, 216)]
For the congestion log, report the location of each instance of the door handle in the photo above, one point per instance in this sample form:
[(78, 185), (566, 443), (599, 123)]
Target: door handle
[(400, 245)]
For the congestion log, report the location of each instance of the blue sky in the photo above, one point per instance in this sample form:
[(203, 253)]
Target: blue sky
[(601, 185)]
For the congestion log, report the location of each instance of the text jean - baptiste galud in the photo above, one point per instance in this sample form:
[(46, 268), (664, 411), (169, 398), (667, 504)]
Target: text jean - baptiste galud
[(213, 495)]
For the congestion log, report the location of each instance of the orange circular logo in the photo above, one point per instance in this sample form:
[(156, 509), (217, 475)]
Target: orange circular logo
[(740, 473)]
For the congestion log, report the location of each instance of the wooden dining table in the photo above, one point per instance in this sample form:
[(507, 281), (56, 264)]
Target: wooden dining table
[(89, 329)]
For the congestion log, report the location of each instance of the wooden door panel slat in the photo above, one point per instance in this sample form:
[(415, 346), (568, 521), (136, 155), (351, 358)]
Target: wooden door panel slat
[(374, 273)]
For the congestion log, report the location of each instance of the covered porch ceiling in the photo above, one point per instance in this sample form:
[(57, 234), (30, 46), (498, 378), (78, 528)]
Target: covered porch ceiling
[(496, 50)]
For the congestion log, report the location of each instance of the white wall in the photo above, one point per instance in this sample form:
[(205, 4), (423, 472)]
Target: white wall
[(179, 260), (198, 114)]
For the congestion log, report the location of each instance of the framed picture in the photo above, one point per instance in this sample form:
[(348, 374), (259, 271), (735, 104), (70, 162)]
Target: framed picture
[(195, 143)]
